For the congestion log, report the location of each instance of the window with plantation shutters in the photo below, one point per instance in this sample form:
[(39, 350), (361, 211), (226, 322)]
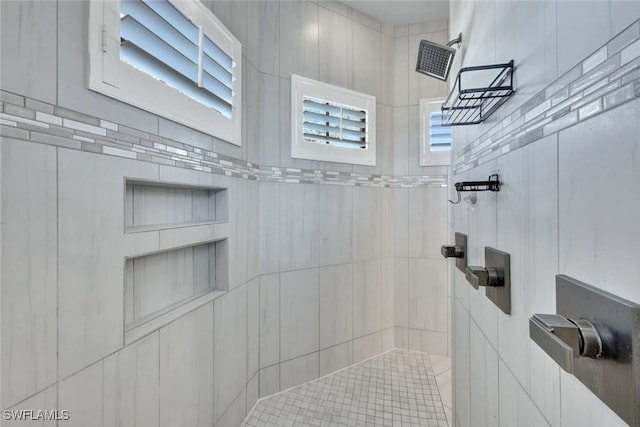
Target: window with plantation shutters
[(439, 134), (328, 122), (173, 58), (331, 123), (435, 136)]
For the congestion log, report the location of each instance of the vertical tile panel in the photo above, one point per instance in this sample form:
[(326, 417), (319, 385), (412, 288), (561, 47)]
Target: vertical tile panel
[(253, 327), (366, 298), (29, 57), (186, 370), (132, 385), (335, 48), (588, 231), (91, 254), (81, 395), (299, 39), (336, 299), (299, 217), (335, 216), (367, 204), (269, 320), (229, 348), (427, 222), (428, 295), (29, 256), (299, 313)]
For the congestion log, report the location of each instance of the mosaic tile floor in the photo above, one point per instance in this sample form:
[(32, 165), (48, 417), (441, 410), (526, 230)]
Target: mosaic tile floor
[(397, 388)]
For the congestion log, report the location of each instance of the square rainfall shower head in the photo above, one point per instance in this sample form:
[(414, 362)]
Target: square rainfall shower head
[(434, 59)]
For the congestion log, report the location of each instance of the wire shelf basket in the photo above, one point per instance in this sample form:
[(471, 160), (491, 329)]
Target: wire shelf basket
[(471, 103)]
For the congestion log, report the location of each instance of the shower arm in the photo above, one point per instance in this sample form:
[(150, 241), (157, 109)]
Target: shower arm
[(457, 41)]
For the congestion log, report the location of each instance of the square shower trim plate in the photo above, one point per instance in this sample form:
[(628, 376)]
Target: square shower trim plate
[(614, 377), (500, 295)]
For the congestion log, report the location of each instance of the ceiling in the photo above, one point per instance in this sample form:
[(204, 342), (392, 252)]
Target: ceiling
[(402, 12)]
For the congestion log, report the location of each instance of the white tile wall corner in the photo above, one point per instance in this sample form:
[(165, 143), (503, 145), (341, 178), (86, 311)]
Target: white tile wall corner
[(47, 398), (401, 292), (29, 288), (387, 292), (131, 387), (336, 305), (91, 252), (299, 313), (187, 370), (229, 348), (300, 370)]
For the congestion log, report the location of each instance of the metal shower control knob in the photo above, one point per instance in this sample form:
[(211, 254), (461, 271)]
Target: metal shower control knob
[(452, 251), (481, 276), (563, 338)]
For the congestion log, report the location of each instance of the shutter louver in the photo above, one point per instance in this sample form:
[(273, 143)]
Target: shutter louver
[(439, 133), (158, 40), (335, 124)]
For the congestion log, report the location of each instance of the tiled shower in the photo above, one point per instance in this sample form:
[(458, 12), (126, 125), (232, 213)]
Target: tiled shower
[(298, 269)]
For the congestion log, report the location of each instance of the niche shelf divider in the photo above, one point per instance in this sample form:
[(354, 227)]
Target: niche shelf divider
[(477, 93), (165, 284)]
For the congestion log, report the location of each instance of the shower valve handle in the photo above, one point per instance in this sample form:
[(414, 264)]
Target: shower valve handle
[(481, 276), (452, 251)]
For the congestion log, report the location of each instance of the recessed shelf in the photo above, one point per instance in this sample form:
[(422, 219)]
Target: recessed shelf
[(158, 286), (485, 88), (152, 205)]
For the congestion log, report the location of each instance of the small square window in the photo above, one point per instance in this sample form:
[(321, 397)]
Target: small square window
[(435, 138), (330, 123), (172, 58)]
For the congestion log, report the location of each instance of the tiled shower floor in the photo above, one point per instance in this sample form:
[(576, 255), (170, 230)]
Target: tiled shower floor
[(397, 388)]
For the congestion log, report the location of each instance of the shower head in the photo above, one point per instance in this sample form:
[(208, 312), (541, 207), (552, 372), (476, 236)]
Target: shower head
[(435, 59)]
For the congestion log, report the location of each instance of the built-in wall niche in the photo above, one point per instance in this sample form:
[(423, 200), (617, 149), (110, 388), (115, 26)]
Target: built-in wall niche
[(162, 286), (153, 205)]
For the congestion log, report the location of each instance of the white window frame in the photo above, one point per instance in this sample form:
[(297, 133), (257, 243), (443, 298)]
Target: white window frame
[(302, 87), (428, 157), (110, 76)]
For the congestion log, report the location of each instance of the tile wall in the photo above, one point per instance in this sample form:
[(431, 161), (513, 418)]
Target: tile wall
[(565, 147), (329, 263)]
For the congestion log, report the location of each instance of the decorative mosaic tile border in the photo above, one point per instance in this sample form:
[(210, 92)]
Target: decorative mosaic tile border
[(607, 79), (31, 120)]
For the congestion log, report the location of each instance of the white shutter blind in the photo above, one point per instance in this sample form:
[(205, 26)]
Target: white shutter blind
[(158, 40), (334, 124), (439, 133)]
